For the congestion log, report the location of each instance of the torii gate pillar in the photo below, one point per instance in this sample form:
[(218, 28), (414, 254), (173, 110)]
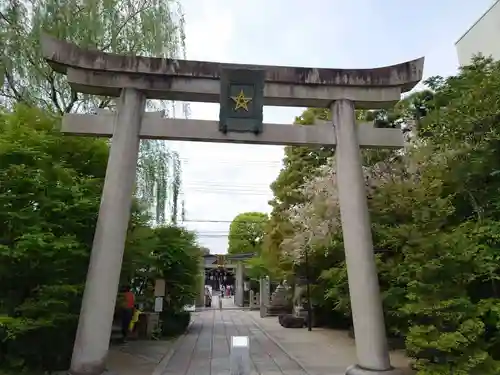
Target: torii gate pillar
[(99, 299), (366, 305)]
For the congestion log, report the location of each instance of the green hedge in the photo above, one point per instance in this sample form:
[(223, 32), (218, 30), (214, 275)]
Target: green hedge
[(32, 344), (174, 323)]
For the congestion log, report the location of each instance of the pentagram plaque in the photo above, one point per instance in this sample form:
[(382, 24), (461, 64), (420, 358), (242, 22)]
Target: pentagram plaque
[(241, 100)]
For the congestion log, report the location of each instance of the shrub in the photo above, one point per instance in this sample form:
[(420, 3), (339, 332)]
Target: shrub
[(174, 323)]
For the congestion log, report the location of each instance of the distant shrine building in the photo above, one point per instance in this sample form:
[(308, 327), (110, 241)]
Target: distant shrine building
[(228, 269)]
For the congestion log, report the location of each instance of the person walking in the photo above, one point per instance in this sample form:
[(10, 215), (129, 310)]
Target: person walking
[(127, 311)]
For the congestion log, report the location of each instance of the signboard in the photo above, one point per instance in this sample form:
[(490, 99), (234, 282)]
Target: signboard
[(158, 304), (239, 356), (241, 100), (221, 261), (159, 288)]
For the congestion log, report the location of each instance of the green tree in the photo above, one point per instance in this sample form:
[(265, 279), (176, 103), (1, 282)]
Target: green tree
[(246, 233), (148, 27), (50, 187), (435, 221), (299, 165), (49, 199), (177, 261)]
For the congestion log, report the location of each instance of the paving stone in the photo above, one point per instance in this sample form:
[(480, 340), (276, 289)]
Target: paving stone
[(321, 352), (205, 349)]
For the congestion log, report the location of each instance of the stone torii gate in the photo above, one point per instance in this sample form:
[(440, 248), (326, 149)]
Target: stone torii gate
[(231, 261), (134, 79)]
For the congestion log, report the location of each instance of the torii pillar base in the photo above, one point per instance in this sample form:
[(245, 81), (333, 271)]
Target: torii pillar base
[(356, 370)]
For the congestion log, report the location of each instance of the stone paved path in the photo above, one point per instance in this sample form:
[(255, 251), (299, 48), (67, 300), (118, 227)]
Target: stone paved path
[(205, 349), (137, 357), (322, 351)]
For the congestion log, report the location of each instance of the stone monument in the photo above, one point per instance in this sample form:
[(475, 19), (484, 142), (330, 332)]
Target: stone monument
[(280, 302)]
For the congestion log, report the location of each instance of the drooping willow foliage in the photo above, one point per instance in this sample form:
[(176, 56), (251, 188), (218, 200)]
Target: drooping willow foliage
[(144, 27), (159, 180)]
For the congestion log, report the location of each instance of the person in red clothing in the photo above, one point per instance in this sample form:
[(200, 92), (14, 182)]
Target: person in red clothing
[(127, 310)]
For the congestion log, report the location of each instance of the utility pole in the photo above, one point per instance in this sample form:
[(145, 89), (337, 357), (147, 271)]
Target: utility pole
[(308, 291)]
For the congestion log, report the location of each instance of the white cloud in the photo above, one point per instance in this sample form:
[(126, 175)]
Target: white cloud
[(209, 29)]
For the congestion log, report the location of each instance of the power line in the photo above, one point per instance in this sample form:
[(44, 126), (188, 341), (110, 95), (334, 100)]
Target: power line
[(211, 236), (227, 188), (218, 156), (234, 164), (221, 234), (214, 236), (225, 183), (211, 231), (237, 192), (232, 161), (206, 221), (218, 188)]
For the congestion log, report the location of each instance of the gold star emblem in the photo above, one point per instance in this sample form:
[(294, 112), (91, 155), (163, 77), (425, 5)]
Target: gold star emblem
[(241, 101)]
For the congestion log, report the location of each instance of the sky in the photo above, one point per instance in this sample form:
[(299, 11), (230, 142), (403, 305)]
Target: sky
[(222, 180)]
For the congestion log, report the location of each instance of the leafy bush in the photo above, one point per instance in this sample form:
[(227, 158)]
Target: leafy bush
[(435, 220), (49, 198), (23, 342), (177, 259), (50, 188), (174, 323)]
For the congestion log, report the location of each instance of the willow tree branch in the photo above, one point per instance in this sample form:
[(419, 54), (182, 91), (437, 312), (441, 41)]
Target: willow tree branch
[(74, 99), (53, 94), (122, 26), (12, 86), (2, 16)]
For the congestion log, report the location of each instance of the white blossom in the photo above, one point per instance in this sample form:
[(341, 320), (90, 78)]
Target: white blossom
[(317, 219)]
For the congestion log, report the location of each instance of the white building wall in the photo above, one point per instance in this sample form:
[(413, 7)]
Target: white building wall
[(482, 38)]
